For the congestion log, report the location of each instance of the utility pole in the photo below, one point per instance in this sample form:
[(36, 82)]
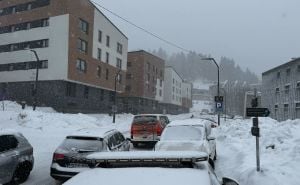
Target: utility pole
[(36, 79), (114, 108)]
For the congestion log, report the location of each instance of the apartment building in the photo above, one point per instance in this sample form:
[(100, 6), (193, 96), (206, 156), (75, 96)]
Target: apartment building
[(172, 91), (186, 91), (281, 90), (79, 48), (144, 83)]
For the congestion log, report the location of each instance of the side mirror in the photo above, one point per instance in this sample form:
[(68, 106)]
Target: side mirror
[(211, 138), (228, 181)]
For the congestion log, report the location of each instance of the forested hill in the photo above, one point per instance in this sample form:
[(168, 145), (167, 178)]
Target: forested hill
[(191, 67)]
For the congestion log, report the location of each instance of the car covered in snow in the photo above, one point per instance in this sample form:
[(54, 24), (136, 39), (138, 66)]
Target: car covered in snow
[(68, 158), (148, 168), (189, 135), (147, 128), (16, 157)]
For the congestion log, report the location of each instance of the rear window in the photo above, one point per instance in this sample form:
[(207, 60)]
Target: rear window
[(82, 144), (144, 119), (182, 133)]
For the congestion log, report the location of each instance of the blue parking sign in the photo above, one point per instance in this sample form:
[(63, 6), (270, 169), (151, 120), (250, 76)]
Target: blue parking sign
[(219, 106)]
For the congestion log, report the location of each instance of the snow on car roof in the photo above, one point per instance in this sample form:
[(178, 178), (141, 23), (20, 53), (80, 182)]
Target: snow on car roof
[(147, 155), (9, 132), (200, 122), (149, 115), (145, 176), (95, 132)]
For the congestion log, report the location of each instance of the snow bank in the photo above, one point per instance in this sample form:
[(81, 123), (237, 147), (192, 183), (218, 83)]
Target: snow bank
[(237, 154)]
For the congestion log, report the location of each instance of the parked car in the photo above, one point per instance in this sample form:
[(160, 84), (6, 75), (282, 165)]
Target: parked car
[(189, 134), (137, 168), (81, 144), (16, 157), (147, 128)]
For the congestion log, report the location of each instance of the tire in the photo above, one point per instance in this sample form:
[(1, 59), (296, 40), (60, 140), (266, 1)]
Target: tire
[(22, 172), (215, 157), (135, 145)]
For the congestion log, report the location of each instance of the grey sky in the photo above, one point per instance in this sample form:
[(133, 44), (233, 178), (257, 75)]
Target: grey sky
[(258, 34)]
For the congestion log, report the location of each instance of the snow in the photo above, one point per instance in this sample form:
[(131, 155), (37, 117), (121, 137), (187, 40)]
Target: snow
[(201, 84), (45, 130), (146, 155), (95, 132), (144, 176), (202, 106)]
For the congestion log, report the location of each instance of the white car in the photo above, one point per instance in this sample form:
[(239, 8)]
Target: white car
[(189, 135), (148, 168)]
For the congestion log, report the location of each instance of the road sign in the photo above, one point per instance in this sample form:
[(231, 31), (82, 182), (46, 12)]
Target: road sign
[(219, 98), (219, 106), (257, 112)]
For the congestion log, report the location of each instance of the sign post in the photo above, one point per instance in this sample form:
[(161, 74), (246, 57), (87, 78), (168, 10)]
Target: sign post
[(255, 130)]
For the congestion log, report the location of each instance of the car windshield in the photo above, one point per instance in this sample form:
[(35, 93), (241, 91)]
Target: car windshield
[(144, 119), (80, 144), (182, 133)]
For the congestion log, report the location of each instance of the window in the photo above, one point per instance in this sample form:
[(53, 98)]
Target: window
[(128, 76), (101, 94), (107, 40), (119, 48), (288, 71), (160, 92), (24, 45), (99, 70), (128, 88), (23, 66), (119, 63), (83, 25), (82, 45), (148, 66), (276, 107), (287, 88), (277, 90), (278, 74), (107, 57), (8, 142), (160, 83), (148, 77), (286, 107), (71, 89), (119, 78), (298, 68), (297, 105), (106, 74), (298, 85), (86, 92), (161, 74), (128, 64), (100, 36), (99, 55), (81, 65)]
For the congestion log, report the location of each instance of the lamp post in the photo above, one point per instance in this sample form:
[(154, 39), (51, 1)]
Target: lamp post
[(114, 109), (36, 79), (225, 105), (212, 59)]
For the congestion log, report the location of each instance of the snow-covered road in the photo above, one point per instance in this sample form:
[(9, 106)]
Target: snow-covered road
[(45, 129)]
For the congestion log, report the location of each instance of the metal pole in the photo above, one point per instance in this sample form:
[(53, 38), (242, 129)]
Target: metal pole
[(36, 79), (218, 86), (257, 141), (115, 97)]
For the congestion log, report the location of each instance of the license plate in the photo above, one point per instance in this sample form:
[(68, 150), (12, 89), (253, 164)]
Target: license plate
[(77, 165)]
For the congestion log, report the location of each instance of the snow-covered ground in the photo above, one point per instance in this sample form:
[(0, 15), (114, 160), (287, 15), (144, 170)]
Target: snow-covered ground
[(202, 106), (45, 129)]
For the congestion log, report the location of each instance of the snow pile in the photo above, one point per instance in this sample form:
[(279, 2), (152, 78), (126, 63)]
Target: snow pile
[(279, 149), (202, 106)]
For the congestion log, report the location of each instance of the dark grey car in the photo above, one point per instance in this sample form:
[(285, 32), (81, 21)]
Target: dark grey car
[(70, 157), (16, 157)]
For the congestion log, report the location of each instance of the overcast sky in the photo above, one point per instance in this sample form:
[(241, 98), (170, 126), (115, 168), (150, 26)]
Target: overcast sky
[(258, 34)]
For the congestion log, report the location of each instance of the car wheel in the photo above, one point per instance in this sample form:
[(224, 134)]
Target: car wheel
[(22, 172), (215, 157), (135, 145)]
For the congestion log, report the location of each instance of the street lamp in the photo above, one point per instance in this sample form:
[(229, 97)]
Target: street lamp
[(114, 109), (225, 104), (212, 59), (36, 79)]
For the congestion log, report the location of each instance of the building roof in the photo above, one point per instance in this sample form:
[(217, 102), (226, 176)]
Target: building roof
[(175, 71), (282, 65), (145, 52), (95, 6)]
